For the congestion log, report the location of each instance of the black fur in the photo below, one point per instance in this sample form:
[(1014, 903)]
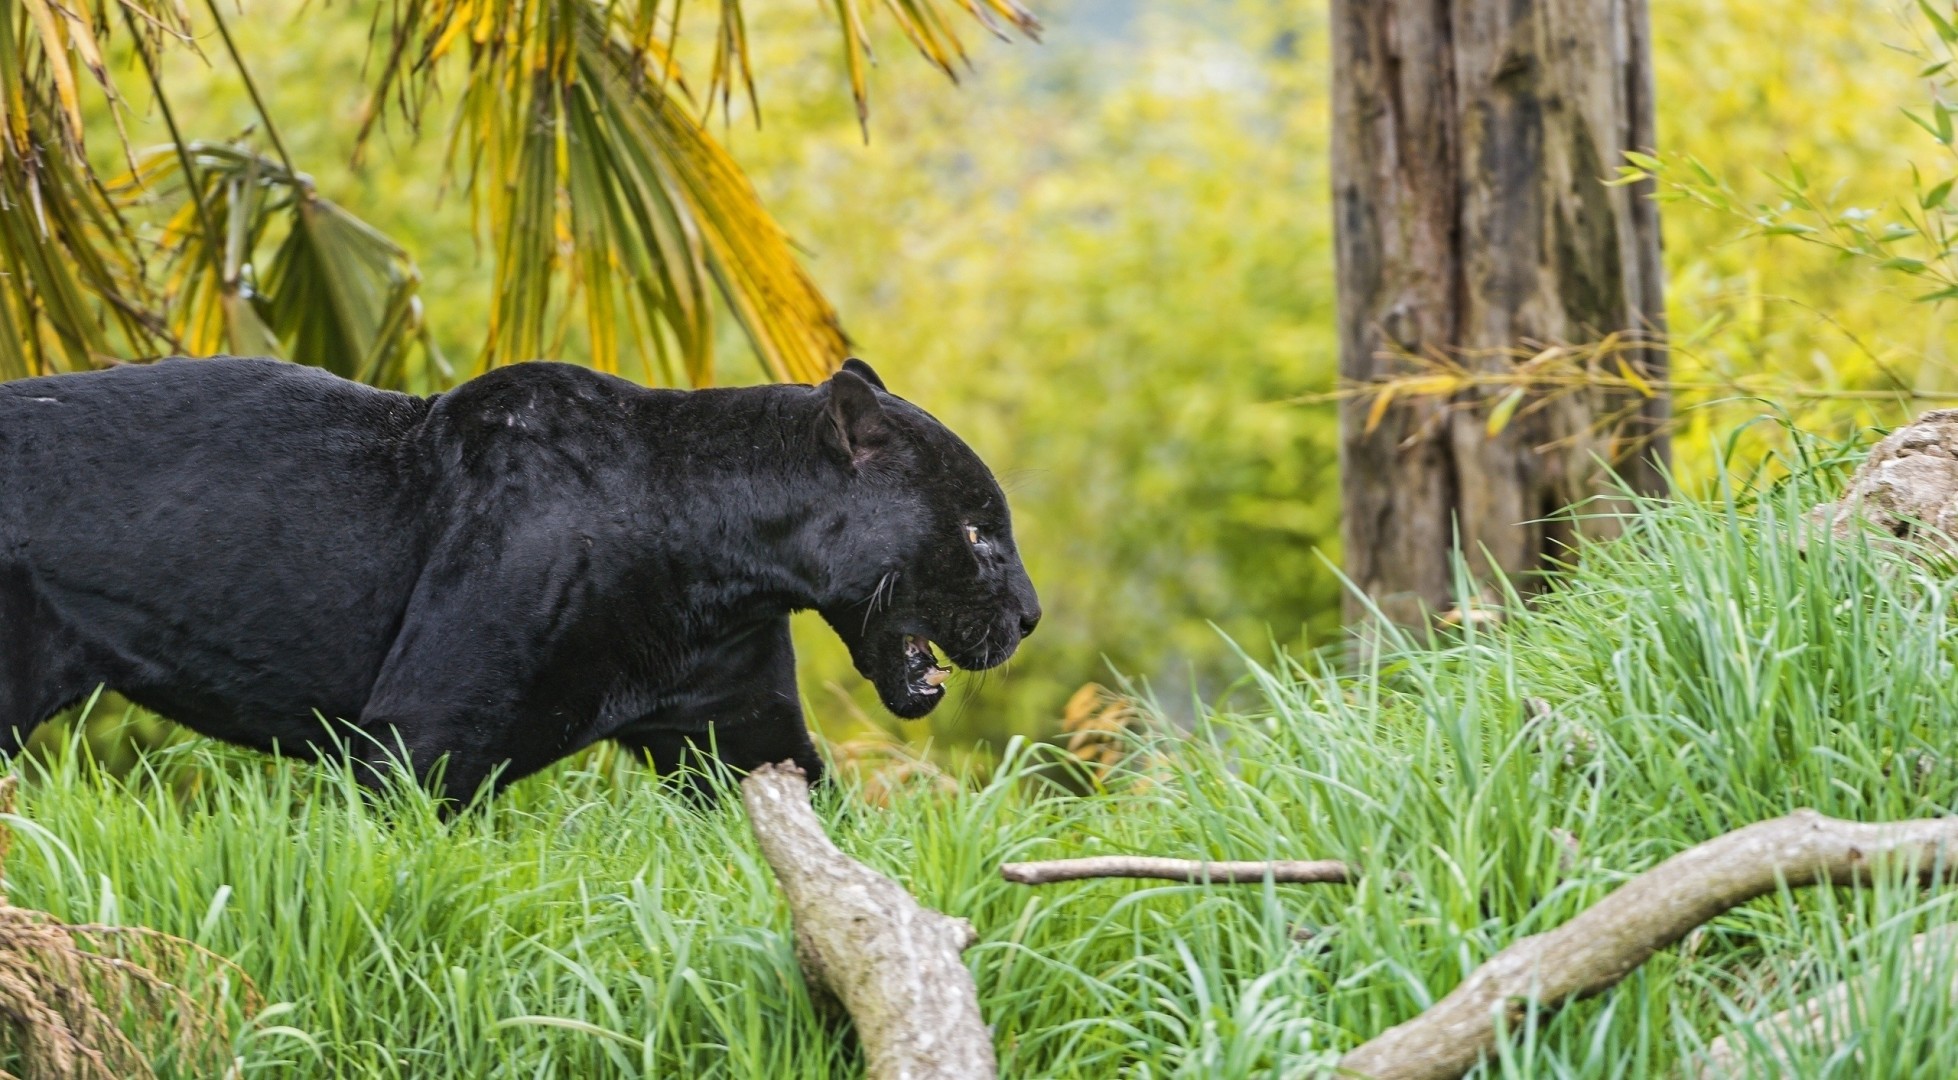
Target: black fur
[(503, 574)]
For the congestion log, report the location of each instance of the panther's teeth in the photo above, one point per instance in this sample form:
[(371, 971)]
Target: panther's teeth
[(936, 676), (916, 645)]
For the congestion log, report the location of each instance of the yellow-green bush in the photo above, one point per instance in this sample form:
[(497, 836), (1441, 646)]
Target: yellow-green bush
[(1760, 90)]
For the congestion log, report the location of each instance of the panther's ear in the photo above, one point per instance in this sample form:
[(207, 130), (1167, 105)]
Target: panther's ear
[(864, 371), (856, 424)]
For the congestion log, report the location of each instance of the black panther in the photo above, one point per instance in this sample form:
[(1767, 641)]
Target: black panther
[(498, 575)]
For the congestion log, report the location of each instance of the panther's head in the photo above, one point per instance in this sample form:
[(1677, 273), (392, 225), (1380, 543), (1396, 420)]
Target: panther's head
[(920, 548)]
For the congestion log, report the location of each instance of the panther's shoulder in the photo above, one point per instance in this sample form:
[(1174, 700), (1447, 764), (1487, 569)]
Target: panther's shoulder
[(541, 399)]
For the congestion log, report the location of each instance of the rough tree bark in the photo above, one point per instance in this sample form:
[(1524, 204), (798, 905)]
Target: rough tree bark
[(860, 936), (1470, 139)]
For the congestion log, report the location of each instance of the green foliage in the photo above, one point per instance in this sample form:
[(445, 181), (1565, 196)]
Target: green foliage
[(1789, 121), (1109, 267), (601, 186), (1703, 674), (1058, 257), (1912, 237)]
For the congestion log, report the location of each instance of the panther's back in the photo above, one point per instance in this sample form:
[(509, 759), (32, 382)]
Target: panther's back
[(213, 517)]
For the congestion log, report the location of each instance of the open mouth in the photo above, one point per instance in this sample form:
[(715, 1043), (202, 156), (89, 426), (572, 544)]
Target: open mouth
[(924, 674)]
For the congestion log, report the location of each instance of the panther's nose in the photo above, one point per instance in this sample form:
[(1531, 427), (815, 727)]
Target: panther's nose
[(1028, 621)]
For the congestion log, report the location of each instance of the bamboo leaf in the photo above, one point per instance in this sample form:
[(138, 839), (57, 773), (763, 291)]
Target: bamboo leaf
[(1505, 409), (1946, 31), (1381, 403), (610, 201), (70, 266), (1429, 386), (50, 285), (1630, 375)]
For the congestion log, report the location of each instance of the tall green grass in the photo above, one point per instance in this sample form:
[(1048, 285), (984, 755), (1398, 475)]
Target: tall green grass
[(1701, 674)]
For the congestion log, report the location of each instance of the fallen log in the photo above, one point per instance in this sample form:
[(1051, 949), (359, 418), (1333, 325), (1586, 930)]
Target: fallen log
[(1284, 872), (893, 964), (1599, 947), (1826, 1017)]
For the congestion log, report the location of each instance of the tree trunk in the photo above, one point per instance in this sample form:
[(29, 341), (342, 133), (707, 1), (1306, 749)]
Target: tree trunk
[(1471, 140)]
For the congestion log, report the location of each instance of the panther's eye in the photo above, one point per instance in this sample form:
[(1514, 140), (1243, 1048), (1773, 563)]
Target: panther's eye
[(972, 535)]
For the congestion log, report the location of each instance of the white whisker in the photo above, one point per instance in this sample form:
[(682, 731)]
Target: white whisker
[(886, 588)]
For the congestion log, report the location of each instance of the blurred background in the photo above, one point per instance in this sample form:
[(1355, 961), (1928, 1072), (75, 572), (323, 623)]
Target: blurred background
[(1105, 259)]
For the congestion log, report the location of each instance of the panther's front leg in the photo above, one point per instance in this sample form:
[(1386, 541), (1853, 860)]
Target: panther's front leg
[(738, 709)]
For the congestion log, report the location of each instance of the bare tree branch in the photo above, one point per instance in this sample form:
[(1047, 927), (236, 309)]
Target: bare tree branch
[(1285, 872), (1826, 1017), (860, 936), (1605, 943)]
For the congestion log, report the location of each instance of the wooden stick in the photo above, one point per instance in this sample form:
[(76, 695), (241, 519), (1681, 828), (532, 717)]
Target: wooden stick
[(1826, 1016), (860, 936), (1324, 871), (1650, 912)]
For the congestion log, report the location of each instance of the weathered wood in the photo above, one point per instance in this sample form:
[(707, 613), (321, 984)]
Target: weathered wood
[(892, 963), (1652, 911), (1283, 871), (1470, 140)]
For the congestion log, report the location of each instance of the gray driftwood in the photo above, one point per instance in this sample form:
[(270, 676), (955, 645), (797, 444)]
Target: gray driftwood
[(1286, 872), (1826, 1019), (1652, 911), (859, 936)]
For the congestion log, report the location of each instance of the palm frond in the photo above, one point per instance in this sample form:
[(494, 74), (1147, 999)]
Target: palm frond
[(73, 292), (606, 191), (335, 293), (583, 150), (73, 279), (81, 289), (703, 214)]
